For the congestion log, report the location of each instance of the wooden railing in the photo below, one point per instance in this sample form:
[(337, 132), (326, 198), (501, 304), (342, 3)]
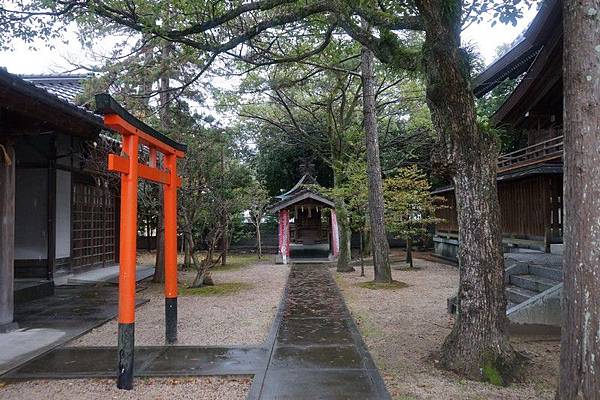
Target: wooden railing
[(547, 150)]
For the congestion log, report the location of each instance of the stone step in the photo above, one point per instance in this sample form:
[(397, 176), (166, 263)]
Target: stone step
[(546, 272), (535, 283), (517, 294)]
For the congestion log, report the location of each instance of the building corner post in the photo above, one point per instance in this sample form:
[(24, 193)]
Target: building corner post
[(7, 236)]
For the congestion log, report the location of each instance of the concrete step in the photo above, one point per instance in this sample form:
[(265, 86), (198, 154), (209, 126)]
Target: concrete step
[(510, 305), (546, 272), (535, 283), (517, 294)]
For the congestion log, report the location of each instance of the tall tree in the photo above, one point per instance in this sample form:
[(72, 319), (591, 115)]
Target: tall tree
[(477, 346), (379, 243), (580, 340)]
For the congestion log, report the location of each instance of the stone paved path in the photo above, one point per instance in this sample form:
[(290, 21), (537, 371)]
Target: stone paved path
[(317, 351)]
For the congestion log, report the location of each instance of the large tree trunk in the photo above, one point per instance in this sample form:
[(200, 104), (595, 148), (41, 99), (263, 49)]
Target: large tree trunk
[(380, 246), (580, 341), (477, 346)]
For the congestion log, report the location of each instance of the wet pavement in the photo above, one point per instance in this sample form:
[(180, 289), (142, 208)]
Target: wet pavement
[(51, 321), (317, 351), (101, 362)]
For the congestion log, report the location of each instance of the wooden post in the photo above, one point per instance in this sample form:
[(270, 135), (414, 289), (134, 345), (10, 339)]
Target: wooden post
[(7, 236), (127, 273), (170, 224)]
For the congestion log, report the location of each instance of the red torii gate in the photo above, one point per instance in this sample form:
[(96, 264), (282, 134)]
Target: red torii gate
[(133, 133)]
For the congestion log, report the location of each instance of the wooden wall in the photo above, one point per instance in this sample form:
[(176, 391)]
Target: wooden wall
[(530, 208)]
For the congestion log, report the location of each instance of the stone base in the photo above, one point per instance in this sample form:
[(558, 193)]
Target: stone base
[(556, 248), (446, 248), (11, 326)]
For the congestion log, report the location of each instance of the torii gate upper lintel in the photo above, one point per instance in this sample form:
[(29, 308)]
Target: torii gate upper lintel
[(133, 133)]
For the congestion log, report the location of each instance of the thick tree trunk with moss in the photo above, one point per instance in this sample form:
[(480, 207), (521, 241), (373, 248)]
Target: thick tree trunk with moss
[(380, 246), (580, 340), (477, 347)]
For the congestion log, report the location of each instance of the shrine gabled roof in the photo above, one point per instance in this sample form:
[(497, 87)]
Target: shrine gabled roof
[(524, 51), (304, 194), (306, 178)]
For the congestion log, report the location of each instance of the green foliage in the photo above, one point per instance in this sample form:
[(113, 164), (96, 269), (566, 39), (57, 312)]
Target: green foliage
[(215, 182), (409, 206), (353, 191)]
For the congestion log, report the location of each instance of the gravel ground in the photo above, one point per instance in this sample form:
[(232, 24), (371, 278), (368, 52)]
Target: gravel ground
[(243, 318), (402, 327), (205, 388)]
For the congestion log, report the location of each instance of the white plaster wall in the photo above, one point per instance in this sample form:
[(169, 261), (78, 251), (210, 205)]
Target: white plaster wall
[(63, 214)]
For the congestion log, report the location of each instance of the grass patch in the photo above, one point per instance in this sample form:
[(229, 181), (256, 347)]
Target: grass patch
[(385, 286), (221, 289), (236, 262)]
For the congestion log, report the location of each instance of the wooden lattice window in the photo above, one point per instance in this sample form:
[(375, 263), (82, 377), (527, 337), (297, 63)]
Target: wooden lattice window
[(93, 233)]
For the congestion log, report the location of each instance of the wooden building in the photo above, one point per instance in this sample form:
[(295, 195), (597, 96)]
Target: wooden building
[(58, 206), (530, 178)]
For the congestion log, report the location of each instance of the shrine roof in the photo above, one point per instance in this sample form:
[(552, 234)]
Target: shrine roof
[(300, 196)]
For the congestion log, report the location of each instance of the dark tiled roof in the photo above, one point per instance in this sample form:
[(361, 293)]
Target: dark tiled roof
[(32, 87), (65, 86)]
